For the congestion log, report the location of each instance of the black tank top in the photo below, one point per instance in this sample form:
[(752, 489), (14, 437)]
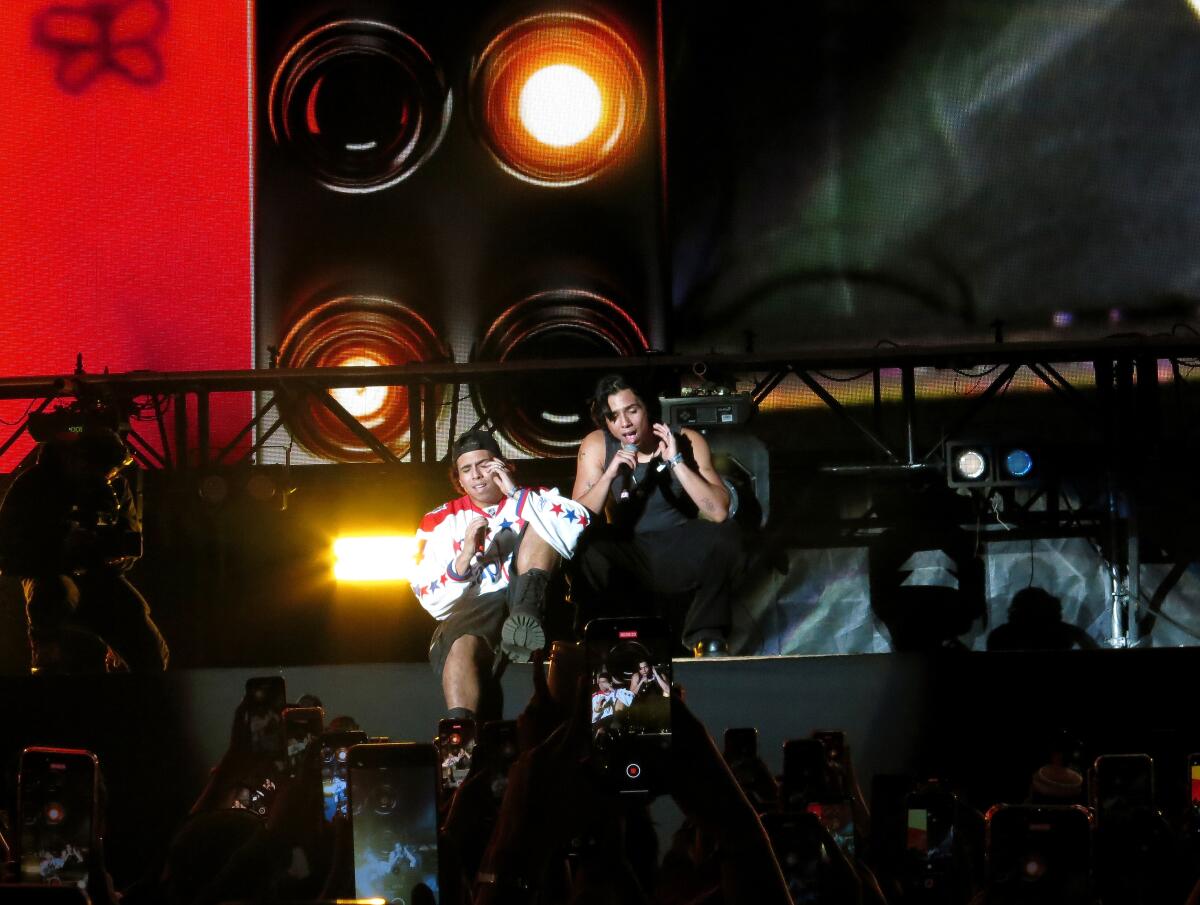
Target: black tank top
[(650, 500)]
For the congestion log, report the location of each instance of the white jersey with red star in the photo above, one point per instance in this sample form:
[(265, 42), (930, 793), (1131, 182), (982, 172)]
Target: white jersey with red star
[(558, 520)]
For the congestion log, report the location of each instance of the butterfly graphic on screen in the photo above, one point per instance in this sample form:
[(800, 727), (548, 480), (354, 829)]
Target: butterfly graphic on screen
[(101, 37)]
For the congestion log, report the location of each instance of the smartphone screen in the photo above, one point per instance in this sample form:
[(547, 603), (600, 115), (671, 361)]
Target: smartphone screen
[(629, 663), (393, 818), (302, 727), (929, 845), (1122, 783), (456, 745), (335, 747), (799, 849), (57, 812), (1038, 854), (263, 712)]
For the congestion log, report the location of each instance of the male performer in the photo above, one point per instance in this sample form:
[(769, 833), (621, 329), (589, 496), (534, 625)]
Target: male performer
[(668, 513), (483, 573)]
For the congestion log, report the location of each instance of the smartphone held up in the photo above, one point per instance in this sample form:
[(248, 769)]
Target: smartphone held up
[(393, 791), (629, 666), (57, 810)]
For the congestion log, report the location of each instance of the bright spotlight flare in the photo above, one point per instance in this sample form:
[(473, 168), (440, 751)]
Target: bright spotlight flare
[(561, 105), (364, 403), (373, 558)]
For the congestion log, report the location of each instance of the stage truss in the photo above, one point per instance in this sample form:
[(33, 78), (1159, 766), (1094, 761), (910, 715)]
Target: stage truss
[(1128, 379)]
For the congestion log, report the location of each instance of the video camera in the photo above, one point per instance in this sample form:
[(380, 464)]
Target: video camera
[(71, 422)]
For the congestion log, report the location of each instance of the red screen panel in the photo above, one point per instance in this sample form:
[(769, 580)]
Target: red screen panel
[(126, 182)]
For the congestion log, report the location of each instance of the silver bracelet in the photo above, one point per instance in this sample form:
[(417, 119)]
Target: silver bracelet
[(675, 460)]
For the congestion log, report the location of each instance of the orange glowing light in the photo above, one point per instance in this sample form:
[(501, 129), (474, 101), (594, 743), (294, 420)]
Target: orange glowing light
[(559, 97), (364, 403)]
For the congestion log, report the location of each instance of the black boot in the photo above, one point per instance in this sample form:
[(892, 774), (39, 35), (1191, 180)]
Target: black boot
[(523, 632)]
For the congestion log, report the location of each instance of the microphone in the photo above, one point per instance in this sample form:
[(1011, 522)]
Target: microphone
[(626, 473)]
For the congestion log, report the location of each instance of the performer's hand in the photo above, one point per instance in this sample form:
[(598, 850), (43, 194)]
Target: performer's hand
[(668, 446), (473, 538), (499, 471), (621, 457)]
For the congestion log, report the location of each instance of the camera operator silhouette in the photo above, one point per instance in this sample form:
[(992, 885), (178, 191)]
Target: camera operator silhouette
[(69, 530)]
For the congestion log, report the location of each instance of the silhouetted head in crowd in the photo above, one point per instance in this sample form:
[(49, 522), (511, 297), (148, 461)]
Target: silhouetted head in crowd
[(204, 847), (1033, 607)]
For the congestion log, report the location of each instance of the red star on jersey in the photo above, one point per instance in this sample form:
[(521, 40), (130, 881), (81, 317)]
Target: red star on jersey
[(583, 521), (557, 509), (458, 546)]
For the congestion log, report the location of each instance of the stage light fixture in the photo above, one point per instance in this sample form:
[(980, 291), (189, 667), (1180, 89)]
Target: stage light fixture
[(990, 464), (559, 97), (355, 331), (213, 488), (969, 465), (548, 417), (363, 558), (1016, 464), (361, 102)]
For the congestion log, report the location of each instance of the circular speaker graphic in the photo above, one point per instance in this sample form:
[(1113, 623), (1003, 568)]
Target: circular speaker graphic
[(558, 98), (361, 102), (548, 416), (356, 331)]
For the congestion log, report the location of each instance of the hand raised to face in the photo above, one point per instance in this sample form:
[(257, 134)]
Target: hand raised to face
[(501, 473)]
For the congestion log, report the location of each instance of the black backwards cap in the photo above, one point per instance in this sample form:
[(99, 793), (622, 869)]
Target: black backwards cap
[(473, 440)]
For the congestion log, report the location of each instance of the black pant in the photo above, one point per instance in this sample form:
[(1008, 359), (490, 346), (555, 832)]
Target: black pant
[(72, 618), (624, 575)]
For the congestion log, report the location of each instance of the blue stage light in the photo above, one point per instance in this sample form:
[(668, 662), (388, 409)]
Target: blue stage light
[(1018, 463)]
